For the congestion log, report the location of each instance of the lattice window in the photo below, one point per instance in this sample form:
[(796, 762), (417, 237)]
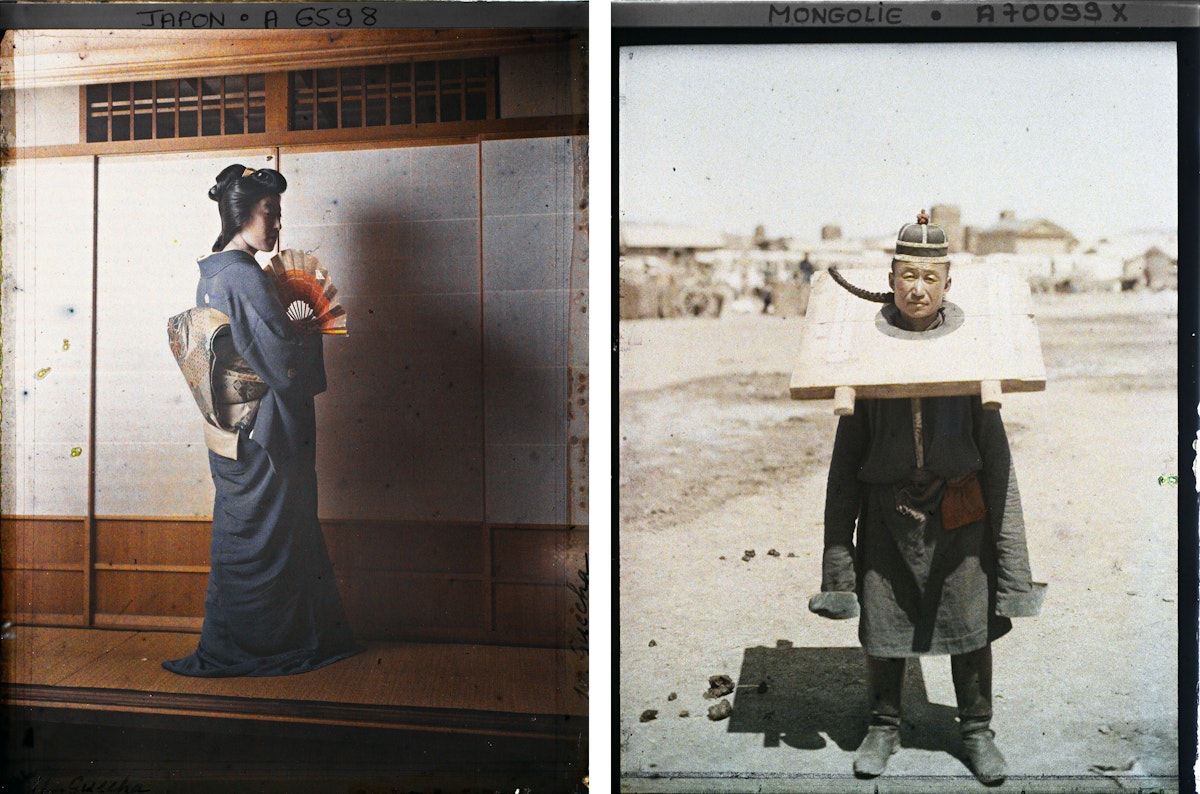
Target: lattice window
[(397, 94), (185, 108)]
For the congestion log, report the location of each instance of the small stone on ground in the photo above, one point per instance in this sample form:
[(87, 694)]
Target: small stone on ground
[(718, 686), (720, 711)]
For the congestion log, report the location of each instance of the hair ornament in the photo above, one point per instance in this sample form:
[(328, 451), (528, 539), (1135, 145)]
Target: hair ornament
[(260, 180)]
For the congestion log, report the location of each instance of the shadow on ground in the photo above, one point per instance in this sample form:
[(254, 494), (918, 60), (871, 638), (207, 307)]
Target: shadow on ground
[(798, 696)]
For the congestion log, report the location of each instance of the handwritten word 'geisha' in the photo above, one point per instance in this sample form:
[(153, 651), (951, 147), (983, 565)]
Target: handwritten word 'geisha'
[(577, 642)]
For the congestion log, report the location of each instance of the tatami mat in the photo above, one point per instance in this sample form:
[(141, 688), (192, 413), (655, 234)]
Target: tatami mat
[(94, 666)]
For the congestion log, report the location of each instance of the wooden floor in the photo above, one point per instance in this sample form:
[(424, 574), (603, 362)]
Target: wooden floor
[(455, 688)]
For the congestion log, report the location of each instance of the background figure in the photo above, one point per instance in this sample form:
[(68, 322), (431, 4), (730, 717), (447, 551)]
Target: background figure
[(806, 270)]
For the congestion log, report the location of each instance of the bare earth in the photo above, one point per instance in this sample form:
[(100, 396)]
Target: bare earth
[(715, 460)]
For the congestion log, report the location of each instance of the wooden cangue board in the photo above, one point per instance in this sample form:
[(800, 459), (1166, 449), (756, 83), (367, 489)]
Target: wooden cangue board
[(842, 346)]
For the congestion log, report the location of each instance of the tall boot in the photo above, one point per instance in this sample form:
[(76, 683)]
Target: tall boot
[(885, 679), (972, 674)]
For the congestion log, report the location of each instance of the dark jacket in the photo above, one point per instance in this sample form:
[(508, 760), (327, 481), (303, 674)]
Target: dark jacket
[(923, 589)]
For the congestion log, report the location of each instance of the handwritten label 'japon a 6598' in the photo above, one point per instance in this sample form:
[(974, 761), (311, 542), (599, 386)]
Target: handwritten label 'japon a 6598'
[(301, 17)]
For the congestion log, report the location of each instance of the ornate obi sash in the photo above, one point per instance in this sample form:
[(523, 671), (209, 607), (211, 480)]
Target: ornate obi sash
[(227, 391)]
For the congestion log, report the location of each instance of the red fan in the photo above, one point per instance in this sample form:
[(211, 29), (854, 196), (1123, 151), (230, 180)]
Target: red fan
[(307, 292)]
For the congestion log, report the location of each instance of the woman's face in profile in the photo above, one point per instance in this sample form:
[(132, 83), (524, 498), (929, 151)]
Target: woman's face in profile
[(261, 231)]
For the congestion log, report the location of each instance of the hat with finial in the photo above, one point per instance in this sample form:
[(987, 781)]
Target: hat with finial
[(922, 243)]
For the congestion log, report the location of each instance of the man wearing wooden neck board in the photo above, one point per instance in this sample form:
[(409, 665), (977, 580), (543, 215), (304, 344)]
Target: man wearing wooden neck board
[(923, 528)]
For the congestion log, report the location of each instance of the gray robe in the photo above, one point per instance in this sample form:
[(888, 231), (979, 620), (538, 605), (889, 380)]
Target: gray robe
[(923, 589)]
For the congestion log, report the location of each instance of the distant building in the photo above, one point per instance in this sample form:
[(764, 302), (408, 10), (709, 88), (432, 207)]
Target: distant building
[(1161, 268), (1156, 268), (762, 242), (1130, 261), (949, 217), (737, 242), (676, 244), (1011, 235), (831, 231), (668, 271)]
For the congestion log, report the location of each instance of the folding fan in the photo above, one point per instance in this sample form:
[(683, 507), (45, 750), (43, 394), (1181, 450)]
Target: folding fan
[(307, 292)]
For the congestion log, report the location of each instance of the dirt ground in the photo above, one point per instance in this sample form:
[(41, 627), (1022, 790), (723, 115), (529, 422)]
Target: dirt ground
[(715, 460)]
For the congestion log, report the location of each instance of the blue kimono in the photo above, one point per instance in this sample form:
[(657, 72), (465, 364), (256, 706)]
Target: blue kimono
[(272, 605)]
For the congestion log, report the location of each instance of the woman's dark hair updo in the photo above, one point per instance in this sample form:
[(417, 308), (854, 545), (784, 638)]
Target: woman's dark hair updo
[(236, 192)]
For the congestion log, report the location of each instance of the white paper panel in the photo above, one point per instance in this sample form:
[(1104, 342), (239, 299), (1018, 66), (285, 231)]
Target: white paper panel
[(43, 479), (528, 176), (155, 221), (440, 338), (47, 299), (152, 478), (528, 232), (400, 429)]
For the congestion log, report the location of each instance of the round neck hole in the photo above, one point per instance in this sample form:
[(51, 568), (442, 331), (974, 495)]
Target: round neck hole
[(953, 314)]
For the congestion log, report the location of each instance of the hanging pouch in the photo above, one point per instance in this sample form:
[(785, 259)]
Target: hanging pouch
[(962, 502)]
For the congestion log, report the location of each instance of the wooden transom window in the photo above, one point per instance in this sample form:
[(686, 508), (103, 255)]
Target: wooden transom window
[(397, 94), (184, 108)]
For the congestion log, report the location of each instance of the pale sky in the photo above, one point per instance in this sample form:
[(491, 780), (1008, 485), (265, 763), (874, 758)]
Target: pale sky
[(865, 135)]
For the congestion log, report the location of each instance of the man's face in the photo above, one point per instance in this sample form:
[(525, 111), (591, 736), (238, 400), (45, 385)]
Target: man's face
[(920, 290)]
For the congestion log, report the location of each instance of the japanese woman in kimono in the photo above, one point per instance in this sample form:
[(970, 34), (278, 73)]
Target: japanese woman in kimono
[(272, 606)]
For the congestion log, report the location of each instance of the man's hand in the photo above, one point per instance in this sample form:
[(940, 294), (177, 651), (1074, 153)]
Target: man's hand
[(837, 605)]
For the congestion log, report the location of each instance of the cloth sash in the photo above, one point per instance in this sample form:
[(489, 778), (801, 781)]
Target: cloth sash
[(960, 500)]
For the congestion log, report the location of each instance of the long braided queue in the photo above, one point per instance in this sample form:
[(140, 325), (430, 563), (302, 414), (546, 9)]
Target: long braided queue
[(859, 292)]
